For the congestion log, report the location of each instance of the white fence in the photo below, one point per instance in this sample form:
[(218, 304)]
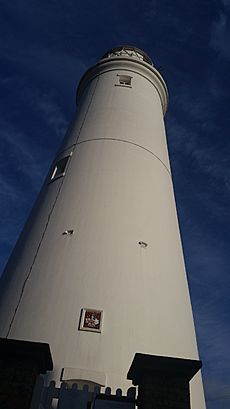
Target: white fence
[(74, 398)]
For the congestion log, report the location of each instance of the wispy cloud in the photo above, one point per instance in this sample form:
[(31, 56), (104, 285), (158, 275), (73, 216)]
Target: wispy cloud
[(214, 336), (218, 394), (21, 176), (209, 278), (226, 3), (211, 160), (52, 114), (13, 144), (220, 37)]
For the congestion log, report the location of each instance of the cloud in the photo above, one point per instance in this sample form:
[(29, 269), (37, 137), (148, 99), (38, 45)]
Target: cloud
[(218, 392), (226, 3), (220, 36), (52, 114), (189, 142), (38, 61), (209, 281), (19, 152), (21, 174), (194, 135), (214, 335), (41, 54)]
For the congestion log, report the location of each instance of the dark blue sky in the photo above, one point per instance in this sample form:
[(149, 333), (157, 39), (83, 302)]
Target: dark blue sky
[(46, 45)]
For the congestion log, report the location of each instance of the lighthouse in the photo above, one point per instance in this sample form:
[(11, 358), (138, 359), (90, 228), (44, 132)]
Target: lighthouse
[(98, 271)]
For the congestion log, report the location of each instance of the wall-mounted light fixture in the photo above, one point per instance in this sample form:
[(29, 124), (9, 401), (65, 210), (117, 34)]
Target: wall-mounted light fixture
[(68, 232), (143, 244)]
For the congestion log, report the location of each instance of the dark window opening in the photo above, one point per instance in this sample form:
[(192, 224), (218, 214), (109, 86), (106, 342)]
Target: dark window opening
[(60, 168), (125, 80)]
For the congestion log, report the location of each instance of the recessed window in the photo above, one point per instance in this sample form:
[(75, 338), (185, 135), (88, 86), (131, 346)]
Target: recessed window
[(125, 80), (60, 168)]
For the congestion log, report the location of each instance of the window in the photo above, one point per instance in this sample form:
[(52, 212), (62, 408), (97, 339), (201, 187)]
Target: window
[(60, 168), (125, 80)]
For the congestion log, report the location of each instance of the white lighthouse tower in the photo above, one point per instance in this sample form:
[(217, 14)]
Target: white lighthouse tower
[(98, 272)]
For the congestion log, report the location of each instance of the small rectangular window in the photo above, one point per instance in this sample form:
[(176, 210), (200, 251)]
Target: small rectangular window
[(125, 80), (60, 168)]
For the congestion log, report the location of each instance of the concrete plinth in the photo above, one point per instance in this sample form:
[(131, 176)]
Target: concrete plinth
[(163, 382), (21, 363)]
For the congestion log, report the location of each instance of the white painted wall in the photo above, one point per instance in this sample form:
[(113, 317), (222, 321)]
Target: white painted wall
[(117, 191)]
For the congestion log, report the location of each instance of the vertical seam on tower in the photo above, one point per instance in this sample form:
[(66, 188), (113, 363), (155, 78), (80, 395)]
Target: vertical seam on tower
[(47, 222)]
